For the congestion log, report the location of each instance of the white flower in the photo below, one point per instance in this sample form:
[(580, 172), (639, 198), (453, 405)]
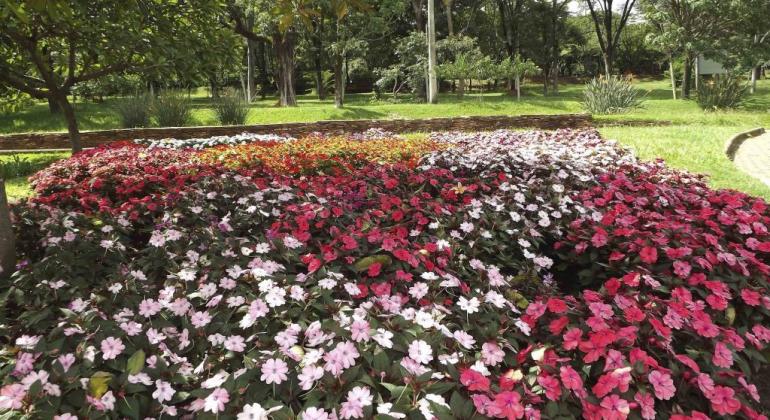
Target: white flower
[(470, 306), (420, 352), (256, 412), (383, 337), (163, 391), (418, 290)]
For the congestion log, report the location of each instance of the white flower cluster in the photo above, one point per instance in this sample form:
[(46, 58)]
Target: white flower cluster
[(203, 143)]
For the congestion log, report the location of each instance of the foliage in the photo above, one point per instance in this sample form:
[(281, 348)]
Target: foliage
[(446, 287), (725, 91), (231, 108), (172, 109), (134, 111), (610, 95)]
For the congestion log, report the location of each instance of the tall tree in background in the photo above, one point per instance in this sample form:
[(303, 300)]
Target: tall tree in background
[(609, 26), (690, 28), (278, 23), (510, 18), (46, 48)]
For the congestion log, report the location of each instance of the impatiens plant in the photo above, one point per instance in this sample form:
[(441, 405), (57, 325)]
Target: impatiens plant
[(458, 276)]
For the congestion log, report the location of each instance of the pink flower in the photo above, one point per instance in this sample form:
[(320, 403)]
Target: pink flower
[(662, 384), (572, 338), (274, 371), (615, 408), (570, 378), (66, 361), (491, 353), (12, 396), (646, 404), (359, 330), (200, 319), (508, 403), (235, 343), (723, 400), (148, 308), (163, 391), (751, 297), (313, 413), (551, 386), (722, 357), (216, 401), (112, 347)]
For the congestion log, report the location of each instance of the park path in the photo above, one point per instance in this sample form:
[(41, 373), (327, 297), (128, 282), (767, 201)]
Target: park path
[(753, 157)]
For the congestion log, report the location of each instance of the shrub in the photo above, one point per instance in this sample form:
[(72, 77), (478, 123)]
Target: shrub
[(612, 95), (12, 166), (722, 92), (398, 288), (134, 111), (231, 108), (172, 110)]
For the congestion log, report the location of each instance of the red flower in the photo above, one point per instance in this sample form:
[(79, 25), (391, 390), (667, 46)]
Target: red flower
[(722, 357), (649, 255), (723, 400), (374, 270), (474, 380), (509, 405), (570, 378)]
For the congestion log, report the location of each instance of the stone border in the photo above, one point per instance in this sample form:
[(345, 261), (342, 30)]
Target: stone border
[(734, 143), (32, 141)]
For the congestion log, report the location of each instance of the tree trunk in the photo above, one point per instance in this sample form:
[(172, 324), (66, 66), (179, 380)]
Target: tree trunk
[(53, 106), (449, 23), (214, 88), (72, 122), (263, 76), (517, 84), (755, 74), (418, 16), (284, 49), (673, 76), (339, 81), (250, 85), (432, 80), (687, 75), (607, 64), (318, 66), (7, 238)]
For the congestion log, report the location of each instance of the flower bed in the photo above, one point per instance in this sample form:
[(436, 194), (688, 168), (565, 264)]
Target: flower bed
[(497, 275)]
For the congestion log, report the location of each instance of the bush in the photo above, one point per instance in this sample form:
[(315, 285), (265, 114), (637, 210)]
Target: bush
[(446, 287), (172, 110), (722, 92), (13, 166), (231, 108), (134, 111), (613, 95)]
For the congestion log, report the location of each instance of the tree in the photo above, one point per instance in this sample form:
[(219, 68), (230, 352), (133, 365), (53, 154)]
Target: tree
[(46, 48), (689, 28), (517, 69), (276, 22), (609, 26)]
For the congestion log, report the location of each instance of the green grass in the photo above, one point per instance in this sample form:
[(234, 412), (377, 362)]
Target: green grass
[(695, 140)]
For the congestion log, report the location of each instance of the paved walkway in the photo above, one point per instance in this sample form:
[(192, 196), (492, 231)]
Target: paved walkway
[(753, 157)]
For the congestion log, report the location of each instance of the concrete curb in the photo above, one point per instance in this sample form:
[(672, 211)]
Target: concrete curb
[(734, 143)]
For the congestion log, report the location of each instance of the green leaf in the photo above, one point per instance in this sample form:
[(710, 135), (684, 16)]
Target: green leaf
[(99, 383), (364, 263), (135, 363)]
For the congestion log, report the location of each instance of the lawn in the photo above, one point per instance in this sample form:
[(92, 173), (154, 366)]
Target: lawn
[(694, 140)]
